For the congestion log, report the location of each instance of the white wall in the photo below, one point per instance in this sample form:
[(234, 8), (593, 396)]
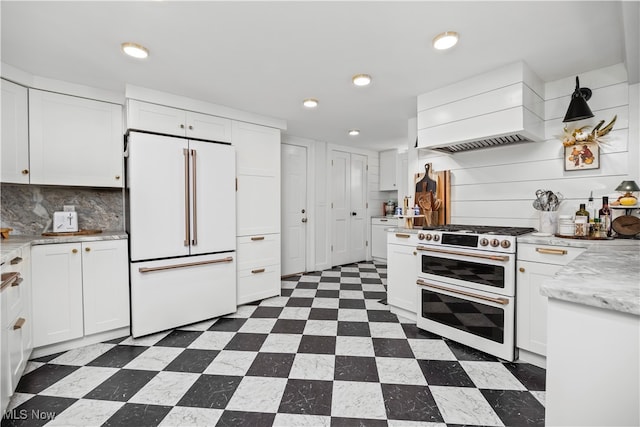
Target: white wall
[(496, 186)]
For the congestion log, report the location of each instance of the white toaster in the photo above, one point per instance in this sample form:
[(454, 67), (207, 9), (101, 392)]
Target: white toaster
[(65, 221)]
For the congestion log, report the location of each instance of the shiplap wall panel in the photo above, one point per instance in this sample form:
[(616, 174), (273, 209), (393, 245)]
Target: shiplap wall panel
[(496, 186)]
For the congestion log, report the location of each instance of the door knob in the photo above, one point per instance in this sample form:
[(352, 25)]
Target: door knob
[(304, 219), (354, 213)]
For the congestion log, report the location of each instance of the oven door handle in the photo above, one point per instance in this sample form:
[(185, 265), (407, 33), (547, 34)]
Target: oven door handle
[(442, 251), (501, 301)]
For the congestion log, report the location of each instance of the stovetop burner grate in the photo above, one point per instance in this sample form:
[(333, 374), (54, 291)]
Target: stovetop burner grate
[(481, 229)]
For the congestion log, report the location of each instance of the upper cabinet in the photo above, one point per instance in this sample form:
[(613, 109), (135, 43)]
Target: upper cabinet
[(15, 134), (388, 166), (174, 121), (74, 141)]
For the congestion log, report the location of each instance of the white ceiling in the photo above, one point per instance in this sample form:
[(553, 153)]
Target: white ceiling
[(265, 57)]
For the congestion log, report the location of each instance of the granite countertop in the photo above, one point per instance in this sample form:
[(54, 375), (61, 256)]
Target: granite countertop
[(16, 242), (605, 276)]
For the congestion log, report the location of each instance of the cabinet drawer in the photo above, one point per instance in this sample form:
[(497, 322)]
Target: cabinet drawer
[(15, 294), (258, 283), (18, 342), (258, 250), (557, 255), (389, 222), (400, 238)]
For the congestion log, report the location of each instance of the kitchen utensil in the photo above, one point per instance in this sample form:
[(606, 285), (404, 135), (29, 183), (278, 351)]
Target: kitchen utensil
[(626, 225), (437, 203), (537, 205), (423, 202)]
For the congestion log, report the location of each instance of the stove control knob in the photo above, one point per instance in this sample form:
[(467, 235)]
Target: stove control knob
[(495, 243), (420, 236), (429, 236), (484, 242), (505, 244), (436, 237)]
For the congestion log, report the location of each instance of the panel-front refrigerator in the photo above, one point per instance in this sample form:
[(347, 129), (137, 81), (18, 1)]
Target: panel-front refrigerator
[(181, 223)]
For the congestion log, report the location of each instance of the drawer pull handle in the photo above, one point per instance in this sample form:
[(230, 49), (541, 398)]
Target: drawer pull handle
[(442, 251), (384, 220), (74, 251), (25, 171), (258, 270), (19, 323), (17, 282), (521, 269), (404, 236), (16, 260), (257, 238), (185, 265), (87, 249), (551, 251), (501, 301), (8, 279)]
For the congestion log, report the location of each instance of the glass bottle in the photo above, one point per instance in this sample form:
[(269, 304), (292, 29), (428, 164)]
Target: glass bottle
[(582, 212), (591, 208), (605, 216)]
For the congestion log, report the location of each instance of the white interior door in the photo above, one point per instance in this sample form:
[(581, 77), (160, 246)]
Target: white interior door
[(348, 213), (294, 208)]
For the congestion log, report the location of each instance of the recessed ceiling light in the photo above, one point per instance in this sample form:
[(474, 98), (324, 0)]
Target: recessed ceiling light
[(445, 40), (135, 50), (361, 79), (354, 132), (310, 103)]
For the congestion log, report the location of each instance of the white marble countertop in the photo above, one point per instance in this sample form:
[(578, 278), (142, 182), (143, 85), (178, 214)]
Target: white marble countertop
[(9, 246), (577, 243)]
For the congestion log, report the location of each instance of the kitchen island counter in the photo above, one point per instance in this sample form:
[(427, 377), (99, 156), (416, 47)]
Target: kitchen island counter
[(9, 246)]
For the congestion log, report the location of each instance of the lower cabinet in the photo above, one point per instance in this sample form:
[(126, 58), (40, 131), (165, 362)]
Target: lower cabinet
[(401, 276), (535, 264), (258, 267), (379, 237), (79, 289), (16, 340)]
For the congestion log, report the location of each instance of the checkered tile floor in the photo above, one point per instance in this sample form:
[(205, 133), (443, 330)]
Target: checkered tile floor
[(326, 352)]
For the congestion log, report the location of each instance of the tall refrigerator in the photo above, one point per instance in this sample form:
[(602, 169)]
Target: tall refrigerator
[(181, 223)]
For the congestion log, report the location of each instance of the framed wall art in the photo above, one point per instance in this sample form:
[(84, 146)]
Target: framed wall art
[(582, 156)]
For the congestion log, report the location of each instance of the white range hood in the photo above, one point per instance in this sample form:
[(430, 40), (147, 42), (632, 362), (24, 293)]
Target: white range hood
[(504, 106)]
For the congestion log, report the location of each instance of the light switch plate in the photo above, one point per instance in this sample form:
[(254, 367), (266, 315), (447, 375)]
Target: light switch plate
[(65, 222)]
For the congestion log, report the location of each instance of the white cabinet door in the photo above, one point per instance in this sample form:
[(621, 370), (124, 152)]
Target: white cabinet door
[(258, 171), (213, 219), (74, 141), (105, 282), (388, 170), (531, 307), (57, 293), (379, 237), (5, 376), (155, 118), (15, 134), (159, 203), (401, 277), (210, 128)]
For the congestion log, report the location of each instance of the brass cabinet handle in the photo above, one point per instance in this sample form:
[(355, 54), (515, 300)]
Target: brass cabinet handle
[(117, 176), (19, 323), (8, 279), (257, 238), (188, 264), (384, 220), (16, 260), (190, 127), (74, 251), (415, 253), (501, 301), (17, 282), (87, 249), (551, 251), (404, 236), (25, 171), (181, 126), (258, 270), (521, 269)]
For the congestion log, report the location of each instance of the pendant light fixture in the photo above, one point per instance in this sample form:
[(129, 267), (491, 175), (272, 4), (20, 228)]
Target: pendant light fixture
[(578, 108)]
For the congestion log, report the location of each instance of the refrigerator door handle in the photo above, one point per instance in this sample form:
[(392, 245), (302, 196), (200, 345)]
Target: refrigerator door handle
[(188, 264), (194, 205), (185, 151)]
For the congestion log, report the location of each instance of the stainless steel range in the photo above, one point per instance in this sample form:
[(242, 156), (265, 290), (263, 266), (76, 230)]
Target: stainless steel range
[(466, 285)]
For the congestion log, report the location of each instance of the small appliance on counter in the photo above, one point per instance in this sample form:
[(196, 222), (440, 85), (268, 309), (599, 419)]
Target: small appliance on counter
[(65, 221)]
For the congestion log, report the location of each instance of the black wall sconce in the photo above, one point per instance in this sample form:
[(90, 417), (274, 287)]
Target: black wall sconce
[(578, 108)]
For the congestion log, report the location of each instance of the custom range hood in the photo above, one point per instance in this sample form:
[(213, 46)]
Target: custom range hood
[(501, 107)]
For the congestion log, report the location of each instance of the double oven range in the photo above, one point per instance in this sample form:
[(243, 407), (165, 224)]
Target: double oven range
[(466, 285)]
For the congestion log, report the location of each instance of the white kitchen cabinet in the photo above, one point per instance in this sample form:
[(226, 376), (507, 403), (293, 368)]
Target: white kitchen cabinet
[(388, 168), (535, 264), (74, 141), (16, 323), (401, 275), (174, 121), (258, 210), (379, 237), (15, 134), (79, 289), (402, 176)]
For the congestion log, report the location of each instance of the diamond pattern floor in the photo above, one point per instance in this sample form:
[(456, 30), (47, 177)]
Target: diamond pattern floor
[(325, 353)]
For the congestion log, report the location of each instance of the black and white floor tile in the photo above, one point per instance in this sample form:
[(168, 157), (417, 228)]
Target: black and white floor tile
[(325, 353)]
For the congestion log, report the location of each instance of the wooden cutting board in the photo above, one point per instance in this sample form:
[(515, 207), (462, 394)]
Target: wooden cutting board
[(72, 233), (438, 182)]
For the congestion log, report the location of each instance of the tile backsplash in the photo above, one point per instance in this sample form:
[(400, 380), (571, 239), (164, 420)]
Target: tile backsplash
[(28, 209)]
